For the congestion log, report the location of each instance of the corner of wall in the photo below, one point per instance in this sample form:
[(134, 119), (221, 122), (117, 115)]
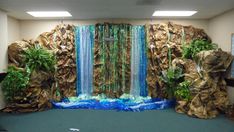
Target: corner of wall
[(220, 29)]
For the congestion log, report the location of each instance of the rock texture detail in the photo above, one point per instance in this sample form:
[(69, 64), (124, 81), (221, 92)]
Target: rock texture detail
[(159, 38)]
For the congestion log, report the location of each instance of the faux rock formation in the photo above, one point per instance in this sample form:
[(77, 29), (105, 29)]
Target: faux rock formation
[(32, 100), (208, 87), (214, 61), (15, 51), (159, 38), (44, 86), (36, 97), (66, 60), (61, 41)]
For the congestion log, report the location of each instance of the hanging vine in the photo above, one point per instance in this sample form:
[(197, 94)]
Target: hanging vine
[(112, 59)]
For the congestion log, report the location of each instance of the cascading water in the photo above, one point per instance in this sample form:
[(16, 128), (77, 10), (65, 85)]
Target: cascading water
[(84, 56), (138, 62)]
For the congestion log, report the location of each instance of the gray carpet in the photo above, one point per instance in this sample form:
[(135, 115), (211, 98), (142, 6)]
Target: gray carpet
[(58, 120)]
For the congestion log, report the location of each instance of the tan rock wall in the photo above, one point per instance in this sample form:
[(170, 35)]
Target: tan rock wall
[(159, 37)]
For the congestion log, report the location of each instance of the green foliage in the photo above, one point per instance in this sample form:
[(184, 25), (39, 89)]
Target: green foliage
[(15, 82), (37, 58), (171, 77), (190, 51), (182, 91), (17, 79)]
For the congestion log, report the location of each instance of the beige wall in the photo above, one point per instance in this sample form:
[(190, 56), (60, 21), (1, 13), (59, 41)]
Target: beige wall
[(13, 29), (30, 29), (220, 29), (3, 49), (3, 41)]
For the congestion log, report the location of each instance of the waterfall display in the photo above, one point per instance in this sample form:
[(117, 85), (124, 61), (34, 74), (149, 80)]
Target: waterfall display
[(108, 65), (112, 70), (138, 62), (84, 56)]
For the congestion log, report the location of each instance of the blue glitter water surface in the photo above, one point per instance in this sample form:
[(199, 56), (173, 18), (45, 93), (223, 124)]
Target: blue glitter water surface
[(120, 104)]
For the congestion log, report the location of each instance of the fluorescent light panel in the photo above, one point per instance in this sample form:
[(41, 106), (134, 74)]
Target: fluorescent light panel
[(49, 13), (174, 13)]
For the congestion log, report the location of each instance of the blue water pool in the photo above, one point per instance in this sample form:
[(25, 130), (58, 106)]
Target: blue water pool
[(124, 103)]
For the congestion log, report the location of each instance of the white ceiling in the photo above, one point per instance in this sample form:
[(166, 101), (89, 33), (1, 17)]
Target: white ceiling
[(126, 9)]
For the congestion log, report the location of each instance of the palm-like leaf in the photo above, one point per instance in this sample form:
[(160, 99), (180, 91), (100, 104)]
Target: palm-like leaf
[(37, 58)]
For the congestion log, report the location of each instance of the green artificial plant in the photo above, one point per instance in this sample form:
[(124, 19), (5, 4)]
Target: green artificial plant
[(37, 58), (183, 91), (15, 82), (171, 77), (190, 51)]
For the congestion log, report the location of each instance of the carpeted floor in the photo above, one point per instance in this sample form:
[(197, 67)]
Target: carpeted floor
[(61, 120)]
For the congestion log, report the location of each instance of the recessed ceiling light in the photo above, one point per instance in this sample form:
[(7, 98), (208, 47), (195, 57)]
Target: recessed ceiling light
[(49, 13), (174, 13)]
